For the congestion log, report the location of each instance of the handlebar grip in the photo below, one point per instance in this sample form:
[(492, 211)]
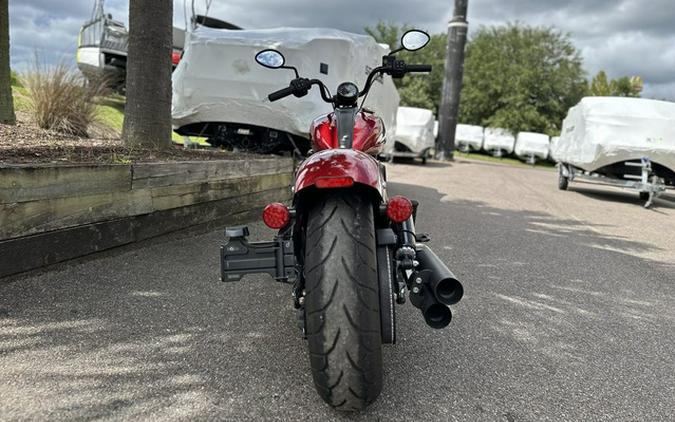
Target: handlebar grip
[(421, 68), (282, 93)]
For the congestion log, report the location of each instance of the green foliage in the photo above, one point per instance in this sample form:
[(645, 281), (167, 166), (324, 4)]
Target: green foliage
[(16, 80), (521, 78), (420, 90), (625, 86)]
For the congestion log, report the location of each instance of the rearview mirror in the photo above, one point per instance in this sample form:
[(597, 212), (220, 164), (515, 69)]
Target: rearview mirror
[(270, 58), (414, 40)]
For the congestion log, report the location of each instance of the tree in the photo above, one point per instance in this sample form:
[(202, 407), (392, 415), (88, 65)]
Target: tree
[(521, 78), (147, 118), (622, 87), (421, 90), (7, 115)]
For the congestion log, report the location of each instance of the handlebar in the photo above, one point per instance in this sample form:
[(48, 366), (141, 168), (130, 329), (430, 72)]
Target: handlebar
[(421, 68), (300, 86), (282, 93)]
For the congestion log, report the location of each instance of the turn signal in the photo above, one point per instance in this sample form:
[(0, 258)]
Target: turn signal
[(399, 209), (276, 216), (334, 182)]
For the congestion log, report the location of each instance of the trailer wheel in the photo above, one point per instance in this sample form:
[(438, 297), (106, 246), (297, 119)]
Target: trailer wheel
[(563, 181)]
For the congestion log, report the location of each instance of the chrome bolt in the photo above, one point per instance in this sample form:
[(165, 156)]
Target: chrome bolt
[(416, 290), (301, 300), (418, 280)]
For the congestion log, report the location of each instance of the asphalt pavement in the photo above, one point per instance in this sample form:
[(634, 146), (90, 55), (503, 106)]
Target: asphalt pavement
[(568, 314)]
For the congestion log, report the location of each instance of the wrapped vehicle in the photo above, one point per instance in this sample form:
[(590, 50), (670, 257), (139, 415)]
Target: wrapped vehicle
[(628, 142), (219, 92), (414, 136), (498, 142), (469, 137), (531, 146), (552, 154)]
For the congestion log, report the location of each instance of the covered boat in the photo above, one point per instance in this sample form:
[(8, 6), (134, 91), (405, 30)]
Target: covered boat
[(531, 146), (414, 132), (469, 137), (220, 92), (498, 141), (602, 134), (103, 43)]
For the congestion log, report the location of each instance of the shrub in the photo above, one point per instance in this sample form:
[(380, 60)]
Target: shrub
[(61, 99)]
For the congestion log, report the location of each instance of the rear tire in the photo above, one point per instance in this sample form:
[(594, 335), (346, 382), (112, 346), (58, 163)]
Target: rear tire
[(342, 301)]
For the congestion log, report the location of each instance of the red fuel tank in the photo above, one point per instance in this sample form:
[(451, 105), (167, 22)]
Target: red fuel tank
[(368, 133)]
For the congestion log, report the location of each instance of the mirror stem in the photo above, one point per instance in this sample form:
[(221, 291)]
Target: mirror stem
[(297, 75)]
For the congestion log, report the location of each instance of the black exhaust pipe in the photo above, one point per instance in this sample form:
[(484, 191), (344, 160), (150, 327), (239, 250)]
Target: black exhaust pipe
[(442, 282), (435, 314)]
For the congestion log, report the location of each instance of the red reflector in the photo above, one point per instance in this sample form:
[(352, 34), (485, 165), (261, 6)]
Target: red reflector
[(399, 209), (276, 216), (334, 182), (175, 58)]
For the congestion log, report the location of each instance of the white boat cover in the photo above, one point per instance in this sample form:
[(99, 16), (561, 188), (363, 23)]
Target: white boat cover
[(218, 79), (554, 144), (532, 144), (415, 128), (469, 135), (498, 139), (600, 131)]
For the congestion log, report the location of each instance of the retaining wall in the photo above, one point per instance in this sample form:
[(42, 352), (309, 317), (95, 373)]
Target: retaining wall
[(52, 213)]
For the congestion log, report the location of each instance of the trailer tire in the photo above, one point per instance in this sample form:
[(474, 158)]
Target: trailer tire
[(563, 181)]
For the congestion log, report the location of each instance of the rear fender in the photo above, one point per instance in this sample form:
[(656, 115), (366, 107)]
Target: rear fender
[(361, 167)]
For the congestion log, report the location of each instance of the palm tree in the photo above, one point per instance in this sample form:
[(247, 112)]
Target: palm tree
[(6, 102), (147, 118)]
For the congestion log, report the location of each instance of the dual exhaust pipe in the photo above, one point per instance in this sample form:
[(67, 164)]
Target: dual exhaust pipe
[(434, 288)]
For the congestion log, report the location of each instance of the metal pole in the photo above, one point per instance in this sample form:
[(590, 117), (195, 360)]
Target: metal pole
[(452, 82)]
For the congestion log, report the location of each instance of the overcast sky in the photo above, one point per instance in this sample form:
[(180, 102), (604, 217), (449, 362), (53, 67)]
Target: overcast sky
[(624, 37)]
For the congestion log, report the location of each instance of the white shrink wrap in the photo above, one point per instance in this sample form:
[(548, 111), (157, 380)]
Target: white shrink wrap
[(470, 136), (415, 128), (497, 139), (552, 152), (530, 144), (218, 79), (600, 131)]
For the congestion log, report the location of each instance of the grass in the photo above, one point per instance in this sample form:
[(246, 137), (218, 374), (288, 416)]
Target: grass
[(59, 98), (547, 165), (109, 109)]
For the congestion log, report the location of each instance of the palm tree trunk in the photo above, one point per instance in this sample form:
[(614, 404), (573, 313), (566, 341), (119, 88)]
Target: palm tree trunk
[(6, 102), (147, 118)]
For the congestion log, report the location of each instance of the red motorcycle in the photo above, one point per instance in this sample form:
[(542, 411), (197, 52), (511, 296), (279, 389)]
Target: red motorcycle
[(350, 252)]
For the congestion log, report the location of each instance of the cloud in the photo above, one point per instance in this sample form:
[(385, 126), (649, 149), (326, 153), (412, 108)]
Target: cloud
[(623, 37)]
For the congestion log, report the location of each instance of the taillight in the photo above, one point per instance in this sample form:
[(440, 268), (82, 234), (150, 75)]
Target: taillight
[(399, 209), (334, 182), (276, 216)]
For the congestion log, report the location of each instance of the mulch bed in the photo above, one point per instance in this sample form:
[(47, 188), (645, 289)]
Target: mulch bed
[(27, 144)]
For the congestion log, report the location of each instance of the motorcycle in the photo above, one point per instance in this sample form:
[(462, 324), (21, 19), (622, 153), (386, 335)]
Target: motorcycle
[(350, 251)]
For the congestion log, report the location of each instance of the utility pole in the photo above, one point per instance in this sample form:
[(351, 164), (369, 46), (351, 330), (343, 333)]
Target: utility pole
[(452, 82)]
